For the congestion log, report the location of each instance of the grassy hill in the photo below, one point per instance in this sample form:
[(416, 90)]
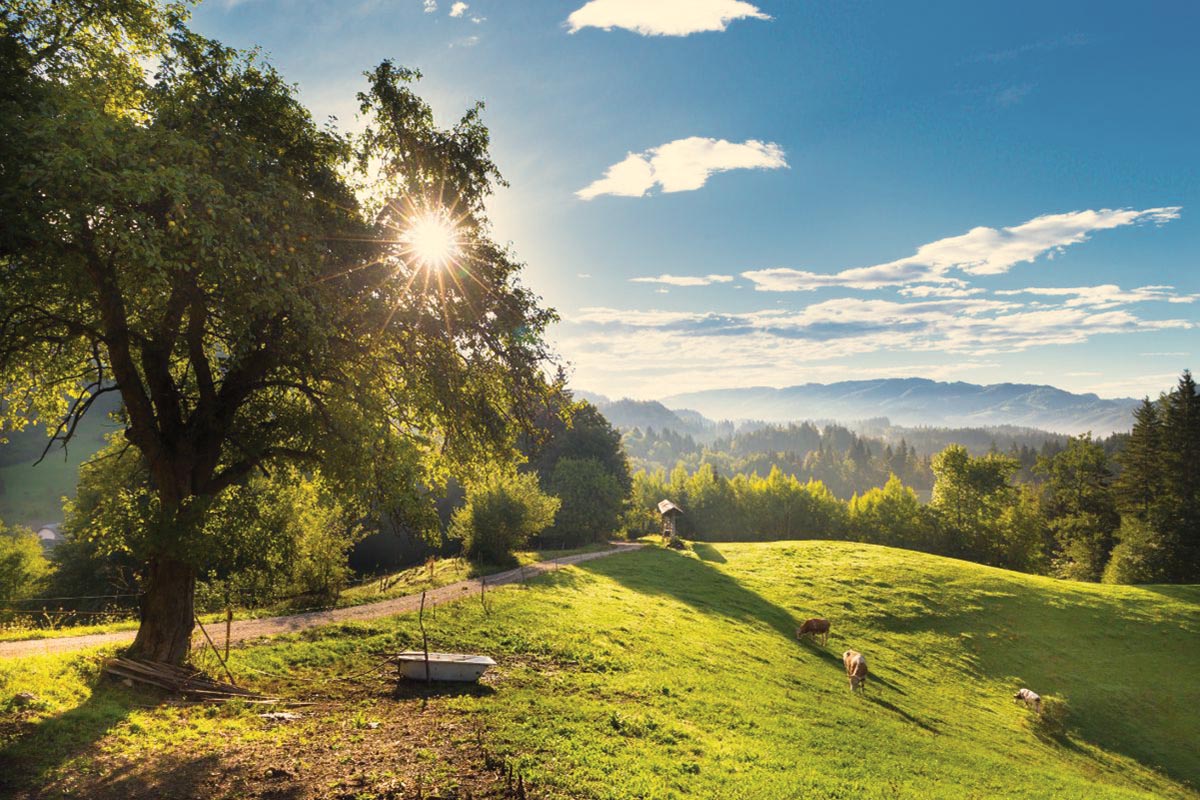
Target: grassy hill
[(660, 674), (32, 494)]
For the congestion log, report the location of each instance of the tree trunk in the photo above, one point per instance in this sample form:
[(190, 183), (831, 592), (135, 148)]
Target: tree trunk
[(167, 611)]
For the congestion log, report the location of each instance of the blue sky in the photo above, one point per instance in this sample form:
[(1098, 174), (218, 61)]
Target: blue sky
[(720, 193)]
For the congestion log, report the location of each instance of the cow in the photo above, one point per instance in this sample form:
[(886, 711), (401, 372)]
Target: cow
[(856, 669), (814, 627), (1030, 698)]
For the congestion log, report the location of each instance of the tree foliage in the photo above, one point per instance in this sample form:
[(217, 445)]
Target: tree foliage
[(23, 567), (243, 276), (1159, 488), (1079, 504), (591, 499), (503, 512), (274, 536)]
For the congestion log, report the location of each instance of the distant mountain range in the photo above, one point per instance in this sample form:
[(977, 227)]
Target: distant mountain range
[(904, 401)]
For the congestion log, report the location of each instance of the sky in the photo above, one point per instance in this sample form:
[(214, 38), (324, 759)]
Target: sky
[(725, 193)]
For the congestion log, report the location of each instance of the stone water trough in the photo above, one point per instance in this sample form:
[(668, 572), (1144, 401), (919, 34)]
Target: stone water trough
[(443, 666)]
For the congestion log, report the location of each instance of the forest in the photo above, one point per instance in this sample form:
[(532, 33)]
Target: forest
[(1123, 510), (846, 460)]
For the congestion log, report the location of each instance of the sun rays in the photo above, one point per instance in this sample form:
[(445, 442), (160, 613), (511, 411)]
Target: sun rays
[(433, 239)]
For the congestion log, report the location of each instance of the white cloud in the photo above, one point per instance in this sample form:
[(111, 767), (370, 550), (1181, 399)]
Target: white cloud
[(642, 350), (430, 6), (944, 290), (1107, 295), (458, 9), (1042, 46), (662, 17), (1011, 95), (979, 251), (682, 165), (685, 280)]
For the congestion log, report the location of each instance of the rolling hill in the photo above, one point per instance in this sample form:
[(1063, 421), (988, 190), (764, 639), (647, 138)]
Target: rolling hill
[(677, 675), (918, 401), (31, 493)]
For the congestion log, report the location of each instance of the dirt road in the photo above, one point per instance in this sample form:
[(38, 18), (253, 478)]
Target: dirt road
[(271, 626)]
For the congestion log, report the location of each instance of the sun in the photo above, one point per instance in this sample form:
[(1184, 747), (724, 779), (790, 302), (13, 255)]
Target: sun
[(433, 238)]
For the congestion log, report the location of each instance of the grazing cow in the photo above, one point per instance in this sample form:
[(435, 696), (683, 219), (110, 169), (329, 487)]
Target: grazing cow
[(814, 627), (1030, 698), (856, 669)]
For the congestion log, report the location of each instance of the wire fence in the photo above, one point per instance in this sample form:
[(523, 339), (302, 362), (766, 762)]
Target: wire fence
[(58, 611)]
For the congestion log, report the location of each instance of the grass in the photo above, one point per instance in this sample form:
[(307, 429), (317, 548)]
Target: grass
[(33, 495), (672, 675)]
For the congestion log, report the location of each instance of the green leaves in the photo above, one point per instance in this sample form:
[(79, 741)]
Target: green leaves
[(504, 510), (239, 274)]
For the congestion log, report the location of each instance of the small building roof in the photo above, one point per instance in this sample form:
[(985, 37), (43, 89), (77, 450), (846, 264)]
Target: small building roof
[(667, 507)]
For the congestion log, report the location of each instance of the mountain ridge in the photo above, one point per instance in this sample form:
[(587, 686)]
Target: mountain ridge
[(914, 402)]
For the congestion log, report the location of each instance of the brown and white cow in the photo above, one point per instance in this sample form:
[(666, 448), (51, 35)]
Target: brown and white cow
[(856, 669), (1030, 698), (814, 627)]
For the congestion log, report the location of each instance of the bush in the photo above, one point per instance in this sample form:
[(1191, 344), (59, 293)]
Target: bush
[(591, 502), (502, 513), (23, 567)]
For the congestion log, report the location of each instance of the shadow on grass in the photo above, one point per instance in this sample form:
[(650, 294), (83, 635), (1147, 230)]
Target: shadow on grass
[(695, 583), (1101, 653), (920, 723), (184, 775), (40, 748), (1187, 593), (834, 657), (708, 553)]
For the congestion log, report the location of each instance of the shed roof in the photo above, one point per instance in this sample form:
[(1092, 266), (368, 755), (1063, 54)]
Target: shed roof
[(666, 507)]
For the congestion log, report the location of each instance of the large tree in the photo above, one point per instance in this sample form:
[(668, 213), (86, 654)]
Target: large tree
[(1080, 507), (257, 287)]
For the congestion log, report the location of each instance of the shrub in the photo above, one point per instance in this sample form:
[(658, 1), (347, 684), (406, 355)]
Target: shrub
[(23, 567), (503, 512)]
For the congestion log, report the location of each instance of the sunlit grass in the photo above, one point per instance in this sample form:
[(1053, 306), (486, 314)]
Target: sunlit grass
[(664, 674)]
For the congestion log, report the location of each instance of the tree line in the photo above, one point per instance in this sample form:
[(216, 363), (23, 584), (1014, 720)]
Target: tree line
[(845, 462), (1081, 513)]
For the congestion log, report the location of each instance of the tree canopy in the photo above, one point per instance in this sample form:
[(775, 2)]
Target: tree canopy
[(249, 281)]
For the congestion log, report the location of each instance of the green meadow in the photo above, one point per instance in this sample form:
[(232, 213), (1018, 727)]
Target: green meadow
[(660, 674)]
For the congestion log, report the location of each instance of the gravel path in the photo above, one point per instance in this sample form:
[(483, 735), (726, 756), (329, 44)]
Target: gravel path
[(271, 626)]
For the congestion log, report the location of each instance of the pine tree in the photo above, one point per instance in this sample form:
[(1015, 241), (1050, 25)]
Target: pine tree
[(1180, 464), (1140, 481)]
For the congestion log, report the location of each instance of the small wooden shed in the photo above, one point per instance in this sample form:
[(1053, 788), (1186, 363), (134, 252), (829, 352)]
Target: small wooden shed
[(669, 512)]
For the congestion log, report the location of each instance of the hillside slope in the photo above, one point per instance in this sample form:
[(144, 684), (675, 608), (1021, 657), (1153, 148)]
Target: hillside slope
[(668, 675), (30, 493)]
